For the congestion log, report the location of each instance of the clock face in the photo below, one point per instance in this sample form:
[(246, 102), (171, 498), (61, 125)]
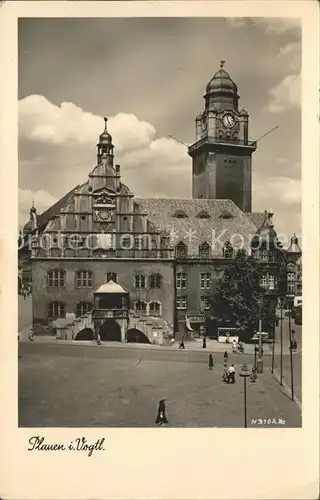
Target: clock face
[(204, 122), (228, 120)]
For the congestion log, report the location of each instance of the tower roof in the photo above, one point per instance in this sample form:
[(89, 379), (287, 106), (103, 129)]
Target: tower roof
[(105, 137), (294, 245), (221, 82)]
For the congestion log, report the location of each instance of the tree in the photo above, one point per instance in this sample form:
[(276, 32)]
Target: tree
[(235, 302)]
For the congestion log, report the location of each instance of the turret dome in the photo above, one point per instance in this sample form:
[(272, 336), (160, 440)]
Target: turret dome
[(105, 137), (220, 82)]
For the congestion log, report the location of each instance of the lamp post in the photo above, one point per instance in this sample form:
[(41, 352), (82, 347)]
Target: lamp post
[(244, 372), (273, 348), (291, 357), (260, 361), (281, 340)]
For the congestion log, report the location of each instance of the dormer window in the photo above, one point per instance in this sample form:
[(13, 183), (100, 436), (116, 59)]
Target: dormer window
[(180, 214), (203, 215), (181, 250), (226, 215), (204, 250), (228, 251)]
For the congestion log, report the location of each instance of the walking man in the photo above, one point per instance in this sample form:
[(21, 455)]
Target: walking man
[(204, 343), (210, 361), (181, 345), (31, 338), (231, 375), (161, 417)]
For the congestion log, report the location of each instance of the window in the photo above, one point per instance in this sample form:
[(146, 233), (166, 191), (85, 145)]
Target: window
[(205, 281), (140, 281), (112, 277), (84, 279), (203, 215), (299, 288), (204, 304), (204, 250), (155, 309), (140, 307), (228, 251), (56, 310), (83, 308), (181, 281), (56, 277), (155, 281), (271, 282), (180, 214), (290, 288), (264, 254), (263, 282), (181, 250), (138, 242), (290, 276), (181, 303)]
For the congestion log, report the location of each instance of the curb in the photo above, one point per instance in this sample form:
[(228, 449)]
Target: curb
[(286, 387)]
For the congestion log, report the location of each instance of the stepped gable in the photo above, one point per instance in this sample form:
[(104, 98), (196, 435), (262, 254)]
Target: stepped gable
[(204, 219), (53, 211)]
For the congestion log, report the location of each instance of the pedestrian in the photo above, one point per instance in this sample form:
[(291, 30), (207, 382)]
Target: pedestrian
[(225, 357), (99, 339), (31, 338), (204, 343), (25, 294), (161, 417), (181, 345), (210, 361), (231, 375)]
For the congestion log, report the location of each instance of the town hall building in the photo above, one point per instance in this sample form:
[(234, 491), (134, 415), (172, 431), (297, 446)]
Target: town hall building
[(154, 258)]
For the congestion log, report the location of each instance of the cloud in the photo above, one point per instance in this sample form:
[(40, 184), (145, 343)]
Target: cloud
[(286, 95), (270, 24), (42, 200), (57, 148)]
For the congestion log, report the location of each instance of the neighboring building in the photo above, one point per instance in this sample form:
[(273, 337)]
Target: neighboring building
[(294, 269), (168, 254)]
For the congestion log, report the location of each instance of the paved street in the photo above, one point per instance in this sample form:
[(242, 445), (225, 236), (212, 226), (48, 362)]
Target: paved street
[(84, 385), (81, 386)]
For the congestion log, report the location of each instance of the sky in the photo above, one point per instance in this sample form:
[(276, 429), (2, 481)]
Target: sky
[(148, 76)]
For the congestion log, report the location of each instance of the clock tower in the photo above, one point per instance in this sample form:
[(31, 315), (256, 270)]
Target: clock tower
[(222, 153)]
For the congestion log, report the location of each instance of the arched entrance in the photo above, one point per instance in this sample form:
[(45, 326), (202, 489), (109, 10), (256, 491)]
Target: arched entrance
[(135, 335), (110, 331), (85, 334)]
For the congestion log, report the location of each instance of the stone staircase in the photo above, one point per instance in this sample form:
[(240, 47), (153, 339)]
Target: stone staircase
[(156, 329)]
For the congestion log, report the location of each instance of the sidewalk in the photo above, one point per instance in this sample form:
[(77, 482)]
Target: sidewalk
[(190, 346)]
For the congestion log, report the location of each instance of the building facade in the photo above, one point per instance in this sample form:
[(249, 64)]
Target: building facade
[(168, 254)]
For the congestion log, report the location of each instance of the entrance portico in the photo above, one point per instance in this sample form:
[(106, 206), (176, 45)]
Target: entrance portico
[(110, 313)]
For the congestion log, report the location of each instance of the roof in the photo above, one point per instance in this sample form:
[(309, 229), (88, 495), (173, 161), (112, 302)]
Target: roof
[(54, 210), (257, 218), (111, 287), (226, 222)]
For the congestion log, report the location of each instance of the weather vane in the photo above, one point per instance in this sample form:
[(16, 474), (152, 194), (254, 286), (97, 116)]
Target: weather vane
[(222, 63)]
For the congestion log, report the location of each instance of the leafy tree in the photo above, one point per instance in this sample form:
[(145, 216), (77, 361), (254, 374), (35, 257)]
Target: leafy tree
[(235, 302)]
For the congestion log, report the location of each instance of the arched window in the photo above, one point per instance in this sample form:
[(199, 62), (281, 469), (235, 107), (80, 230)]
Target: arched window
[(84, 279), (155, 309), (56, 277), (140, 281), (180, 214), (56, 310), (155, 281), (140, 307), (228, 251), (181, 250), (203, 215), (204, 250), (112, 277), (83, 308)]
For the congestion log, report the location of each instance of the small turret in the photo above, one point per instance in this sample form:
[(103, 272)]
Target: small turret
[(105, 146)]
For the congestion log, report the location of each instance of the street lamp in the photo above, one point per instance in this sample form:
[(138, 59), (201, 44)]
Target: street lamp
[(260, 362), (244, 372), (281, 340), (291, 357)]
